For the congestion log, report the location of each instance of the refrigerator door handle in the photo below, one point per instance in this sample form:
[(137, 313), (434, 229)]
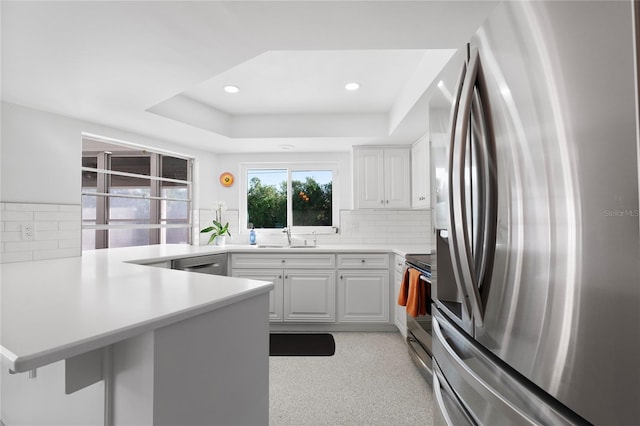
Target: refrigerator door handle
[(453, 249), (460, 231), (488, 202)]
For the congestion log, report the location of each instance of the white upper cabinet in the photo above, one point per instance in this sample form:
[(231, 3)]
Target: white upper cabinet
[(382, 177), (420, 197)]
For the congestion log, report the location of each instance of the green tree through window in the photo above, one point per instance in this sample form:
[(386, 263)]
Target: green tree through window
[(267, 204), (311, 201)]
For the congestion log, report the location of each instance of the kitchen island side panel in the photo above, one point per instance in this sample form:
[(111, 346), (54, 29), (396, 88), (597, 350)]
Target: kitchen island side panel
[(211, 369)]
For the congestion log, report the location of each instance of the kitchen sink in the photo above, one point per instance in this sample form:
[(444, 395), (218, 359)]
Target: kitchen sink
[(284, 246)]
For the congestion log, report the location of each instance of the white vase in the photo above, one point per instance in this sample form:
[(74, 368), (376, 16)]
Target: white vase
[(220, 240)]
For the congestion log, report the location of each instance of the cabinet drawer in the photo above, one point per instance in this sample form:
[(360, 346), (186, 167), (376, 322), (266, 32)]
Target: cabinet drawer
[(363, 261), (288, 261)]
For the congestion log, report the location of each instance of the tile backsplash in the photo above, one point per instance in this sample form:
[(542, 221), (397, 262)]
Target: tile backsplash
[(356, 227), (57, 230), (54, 231)]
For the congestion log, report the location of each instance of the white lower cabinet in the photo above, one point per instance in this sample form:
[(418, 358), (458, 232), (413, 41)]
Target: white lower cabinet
[(363, 296), (275, 296), (363, 287), (309, 296), (304, 284), (310, 288)]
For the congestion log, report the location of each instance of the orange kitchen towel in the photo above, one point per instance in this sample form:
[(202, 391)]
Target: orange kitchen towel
[(404, 289), (415, 299)]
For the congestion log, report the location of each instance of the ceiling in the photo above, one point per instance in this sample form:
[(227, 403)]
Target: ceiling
[(158, 68)]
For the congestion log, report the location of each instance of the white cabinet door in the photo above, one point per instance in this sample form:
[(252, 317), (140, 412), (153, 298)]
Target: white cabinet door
[(275, 295), (309, 296), (382, 178), (363, 296), (397, 178), (369, 173), (420, 174)]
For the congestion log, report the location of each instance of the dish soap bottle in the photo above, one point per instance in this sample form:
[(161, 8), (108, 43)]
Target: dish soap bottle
[(252, 236)]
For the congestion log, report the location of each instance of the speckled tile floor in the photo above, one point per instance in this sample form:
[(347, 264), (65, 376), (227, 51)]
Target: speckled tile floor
[(369, 381)]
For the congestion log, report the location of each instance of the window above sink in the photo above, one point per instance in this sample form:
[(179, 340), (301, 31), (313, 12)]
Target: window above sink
[(300, 197)]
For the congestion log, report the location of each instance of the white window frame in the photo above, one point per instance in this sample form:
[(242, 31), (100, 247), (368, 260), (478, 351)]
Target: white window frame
[(291, 167), (155, 198)]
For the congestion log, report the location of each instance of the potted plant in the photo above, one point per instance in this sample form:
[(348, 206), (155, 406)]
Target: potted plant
[(218, 230)]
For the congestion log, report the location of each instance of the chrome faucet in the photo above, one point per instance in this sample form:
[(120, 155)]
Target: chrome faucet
[(288, 232)]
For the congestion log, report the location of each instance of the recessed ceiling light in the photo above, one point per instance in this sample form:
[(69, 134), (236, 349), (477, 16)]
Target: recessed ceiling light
[(352, 86), (231, 89)]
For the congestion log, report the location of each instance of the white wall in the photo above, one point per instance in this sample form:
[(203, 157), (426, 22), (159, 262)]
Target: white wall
[(231, 163), (40, 157)]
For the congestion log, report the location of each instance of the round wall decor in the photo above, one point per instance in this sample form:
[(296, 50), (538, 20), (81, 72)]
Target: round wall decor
[(226, 179)]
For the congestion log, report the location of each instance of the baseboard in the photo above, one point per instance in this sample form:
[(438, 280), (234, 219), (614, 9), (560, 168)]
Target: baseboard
[(306, 327)]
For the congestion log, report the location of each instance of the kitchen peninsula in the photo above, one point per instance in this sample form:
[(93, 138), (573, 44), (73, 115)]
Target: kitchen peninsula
[(173, 347)]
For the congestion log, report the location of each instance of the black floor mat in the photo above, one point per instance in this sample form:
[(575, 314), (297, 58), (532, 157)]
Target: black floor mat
[(301, 344)]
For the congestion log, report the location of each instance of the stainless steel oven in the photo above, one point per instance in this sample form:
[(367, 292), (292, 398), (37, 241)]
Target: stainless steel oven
[(419, 327)]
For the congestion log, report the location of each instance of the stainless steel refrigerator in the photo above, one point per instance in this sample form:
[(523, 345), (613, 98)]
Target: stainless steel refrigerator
[(536, 281)]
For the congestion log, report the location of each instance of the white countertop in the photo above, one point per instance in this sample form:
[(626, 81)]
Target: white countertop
[(158, 253), (55, 309)]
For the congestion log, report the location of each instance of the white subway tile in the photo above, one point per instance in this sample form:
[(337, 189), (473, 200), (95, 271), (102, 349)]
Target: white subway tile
[(69, 216), (12, 226), (70, 208), (31, 207), (47, 235), (2, 206), (16, 257), (69, 235), (56, 254), (23, 216), (70, 243), (30, 246), (10, 236), (45, 216), (47, 226), (69, 226)]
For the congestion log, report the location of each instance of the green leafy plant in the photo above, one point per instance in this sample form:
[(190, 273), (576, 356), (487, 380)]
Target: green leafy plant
[(217, 230)]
